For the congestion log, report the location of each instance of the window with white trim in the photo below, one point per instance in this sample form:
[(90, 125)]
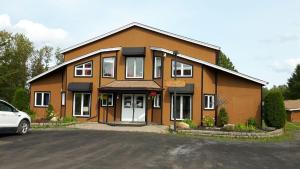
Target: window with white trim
[(183, 70), (156, 101), (41, 99), (108, 67), (107, 99), (183, 106), (82, 104), (84, 69), (134, 67), (157, 67), (209, 101), (63, 98)]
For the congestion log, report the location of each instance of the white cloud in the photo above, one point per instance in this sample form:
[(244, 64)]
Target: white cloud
[(36, 32), (287, 65)]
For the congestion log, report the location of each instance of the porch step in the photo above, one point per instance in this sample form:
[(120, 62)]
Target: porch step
[(122, 123)]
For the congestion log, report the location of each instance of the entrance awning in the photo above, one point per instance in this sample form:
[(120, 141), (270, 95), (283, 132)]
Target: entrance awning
[(187, 89), (80, 87), (132, 85), (133, 51)]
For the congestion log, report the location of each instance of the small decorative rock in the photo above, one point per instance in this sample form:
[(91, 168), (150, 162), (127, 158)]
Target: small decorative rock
[(182, 125), (54, 119)]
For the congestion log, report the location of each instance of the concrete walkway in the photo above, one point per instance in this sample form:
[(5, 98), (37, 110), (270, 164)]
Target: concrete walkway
[(104, 127)]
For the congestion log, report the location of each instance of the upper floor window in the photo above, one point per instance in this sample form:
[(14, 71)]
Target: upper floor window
[(183, 70), (108, 67), (134, 67), (157, 67), (41, 99), (209, 101), (84, 69)]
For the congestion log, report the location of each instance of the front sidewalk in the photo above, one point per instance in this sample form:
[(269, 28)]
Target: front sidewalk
[(98, 126)]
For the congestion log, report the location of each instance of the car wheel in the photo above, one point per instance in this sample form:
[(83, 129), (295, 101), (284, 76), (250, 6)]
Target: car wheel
[(23, 127)]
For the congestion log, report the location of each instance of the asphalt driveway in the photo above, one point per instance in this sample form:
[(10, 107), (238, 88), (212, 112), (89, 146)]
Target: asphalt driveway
[(106, 149)]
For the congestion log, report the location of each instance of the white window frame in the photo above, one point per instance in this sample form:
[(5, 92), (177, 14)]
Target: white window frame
[(182, 68), (155, 67), (181, 106), (210, 106), (82, 99), (63, 98), (113, 73), (112, 97), (42, 101), (83, 69), (156, 101), (134, 69)]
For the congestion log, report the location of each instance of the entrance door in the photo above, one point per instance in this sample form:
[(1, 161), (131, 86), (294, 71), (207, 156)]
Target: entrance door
[(133, 107)]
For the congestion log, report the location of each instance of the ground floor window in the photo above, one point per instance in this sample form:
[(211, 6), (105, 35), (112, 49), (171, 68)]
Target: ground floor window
[(183, 106), (156, 101), (107, 99), (81, 104), (41, 99), (209, 101)]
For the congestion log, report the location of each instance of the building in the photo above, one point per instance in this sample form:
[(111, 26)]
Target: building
[(127, 75), (292, 108)]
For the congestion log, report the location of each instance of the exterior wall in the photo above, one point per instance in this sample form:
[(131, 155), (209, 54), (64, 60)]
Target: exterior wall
[(53, 84), (242, 98), (138, 37), (293, 116)]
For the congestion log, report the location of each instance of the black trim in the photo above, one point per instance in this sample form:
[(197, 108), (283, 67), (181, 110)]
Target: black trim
[(35, 98), (80, 87), (102, 60), (80, 76), (261, 106), (187, 89), (215, 98), (178, 76), (6, 130), (133, 51), (202, 101)]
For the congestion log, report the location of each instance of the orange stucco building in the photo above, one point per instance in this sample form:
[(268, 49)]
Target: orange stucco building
[(128, 75)]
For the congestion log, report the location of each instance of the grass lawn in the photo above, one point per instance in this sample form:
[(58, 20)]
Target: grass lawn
[(289, 135)]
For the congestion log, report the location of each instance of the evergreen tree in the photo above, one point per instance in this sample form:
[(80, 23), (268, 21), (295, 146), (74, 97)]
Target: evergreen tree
[(59, 58), (225, 62), (293, 85)]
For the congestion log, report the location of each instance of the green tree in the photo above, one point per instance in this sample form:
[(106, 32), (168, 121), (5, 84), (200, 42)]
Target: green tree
[(293, 85), (274, 110), (59, 58), (40, 60), (15, 50), (225, 62), (222, 117), (21, 99)]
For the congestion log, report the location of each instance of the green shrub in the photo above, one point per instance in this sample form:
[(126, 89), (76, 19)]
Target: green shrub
[(274, 110), (244, 128), (32, 114), (50, 112), (208, 121), (68, 119), (222, 117), (190, 123), (252, 122), (21, 99)]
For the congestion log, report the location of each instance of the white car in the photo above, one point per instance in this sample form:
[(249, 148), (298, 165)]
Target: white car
[(13, 120)]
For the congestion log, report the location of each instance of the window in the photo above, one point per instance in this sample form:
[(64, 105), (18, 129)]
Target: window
[(134, 67), (157, 67), (81, 104), (209, 101), (107, 99), (156, 101), (183, 70), (84, 69), (41, 99), (183, 107), (108, 67), (63, 98), (6, 107)]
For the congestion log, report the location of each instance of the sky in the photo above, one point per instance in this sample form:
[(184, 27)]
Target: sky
[(262, 38)]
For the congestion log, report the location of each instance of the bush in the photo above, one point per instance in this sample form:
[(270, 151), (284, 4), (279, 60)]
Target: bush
[(274, 110), (208, 121), (32, 114), (222, 117), (190, 123), (251, 122), (244, 128), (68, 119), (50, 112), (21, 99)]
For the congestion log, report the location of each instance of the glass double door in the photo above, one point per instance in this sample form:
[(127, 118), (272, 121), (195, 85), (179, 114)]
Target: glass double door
[(133, 107)]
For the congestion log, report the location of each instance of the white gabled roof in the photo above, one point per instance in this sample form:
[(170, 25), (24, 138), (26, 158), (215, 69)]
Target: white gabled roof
[(145, 27), (74, 60), (212, 65)]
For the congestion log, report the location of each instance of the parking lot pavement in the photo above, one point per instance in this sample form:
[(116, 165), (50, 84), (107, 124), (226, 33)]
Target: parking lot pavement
[(108, 149)]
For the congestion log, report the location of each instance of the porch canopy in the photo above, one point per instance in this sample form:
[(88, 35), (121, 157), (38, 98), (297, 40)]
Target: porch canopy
[(133, 51), (187, 89), (132, 85), (80, 87)]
